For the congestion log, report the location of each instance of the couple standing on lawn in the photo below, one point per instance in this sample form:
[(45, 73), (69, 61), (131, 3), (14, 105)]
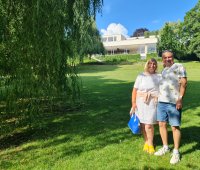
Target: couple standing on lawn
[(158, 98)]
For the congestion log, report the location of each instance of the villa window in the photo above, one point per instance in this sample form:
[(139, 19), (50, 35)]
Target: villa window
[(141, 49), (110, 39), (104, 39), (151, 48)]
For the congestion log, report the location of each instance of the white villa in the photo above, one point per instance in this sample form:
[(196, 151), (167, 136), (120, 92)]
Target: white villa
[(118, 44)]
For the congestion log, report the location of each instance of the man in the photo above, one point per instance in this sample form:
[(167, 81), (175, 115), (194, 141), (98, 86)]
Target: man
[(171, 91)]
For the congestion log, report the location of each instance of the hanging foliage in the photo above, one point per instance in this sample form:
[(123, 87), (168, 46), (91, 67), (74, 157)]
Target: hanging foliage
[(39, 43)]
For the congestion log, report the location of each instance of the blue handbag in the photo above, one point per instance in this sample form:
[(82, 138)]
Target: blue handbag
[(134, 124)]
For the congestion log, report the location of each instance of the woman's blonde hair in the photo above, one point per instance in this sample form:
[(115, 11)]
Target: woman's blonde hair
[(146, 64)]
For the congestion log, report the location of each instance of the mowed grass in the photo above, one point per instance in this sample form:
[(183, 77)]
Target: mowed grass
[(97, 136)]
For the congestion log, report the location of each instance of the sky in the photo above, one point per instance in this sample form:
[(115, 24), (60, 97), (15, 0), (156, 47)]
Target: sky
[(125, 16)]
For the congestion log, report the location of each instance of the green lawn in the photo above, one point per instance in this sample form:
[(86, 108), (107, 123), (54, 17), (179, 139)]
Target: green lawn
[(97, 136)]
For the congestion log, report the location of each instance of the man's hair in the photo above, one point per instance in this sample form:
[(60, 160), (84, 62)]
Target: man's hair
[(168, 51), (146, 64)]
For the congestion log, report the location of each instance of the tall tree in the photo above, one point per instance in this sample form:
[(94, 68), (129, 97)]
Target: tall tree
[(170, 38), (191, 33), (139, 32), (94, 44), (39, 41), (166, 39)]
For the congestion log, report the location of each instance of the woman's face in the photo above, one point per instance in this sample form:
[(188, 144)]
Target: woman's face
[(152, 66)]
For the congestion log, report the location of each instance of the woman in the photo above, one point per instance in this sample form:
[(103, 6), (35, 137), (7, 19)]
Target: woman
[(144, 102)]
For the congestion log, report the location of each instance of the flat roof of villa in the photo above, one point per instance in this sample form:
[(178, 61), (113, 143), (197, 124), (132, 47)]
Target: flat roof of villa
[(128, 42)]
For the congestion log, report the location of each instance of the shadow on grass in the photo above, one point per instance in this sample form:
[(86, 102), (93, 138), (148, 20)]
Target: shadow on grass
[(189, 135), (191, 99), (158, 168), (105, 109), (103, 118)]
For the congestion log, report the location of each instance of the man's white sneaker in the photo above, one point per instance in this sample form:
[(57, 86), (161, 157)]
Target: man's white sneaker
[(162, 151), (175, 158)]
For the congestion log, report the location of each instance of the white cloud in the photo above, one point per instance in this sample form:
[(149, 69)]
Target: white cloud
[(114, 28)]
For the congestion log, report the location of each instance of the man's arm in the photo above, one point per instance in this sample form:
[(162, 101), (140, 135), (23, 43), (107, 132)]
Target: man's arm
[(183, 85)]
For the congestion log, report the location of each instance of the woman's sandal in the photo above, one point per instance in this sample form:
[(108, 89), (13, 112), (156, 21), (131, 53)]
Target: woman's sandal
[(151, 150), (146, 147)]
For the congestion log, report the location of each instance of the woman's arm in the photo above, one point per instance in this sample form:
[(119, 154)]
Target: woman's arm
[(134, 106)]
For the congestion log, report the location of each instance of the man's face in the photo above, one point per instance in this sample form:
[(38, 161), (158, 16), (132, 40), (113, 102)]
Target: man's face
[(168, 59)]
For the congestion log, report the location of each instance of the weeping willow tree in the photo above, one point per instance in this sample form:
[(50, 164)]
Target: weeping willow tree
[(94, 44), (39, 42)]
